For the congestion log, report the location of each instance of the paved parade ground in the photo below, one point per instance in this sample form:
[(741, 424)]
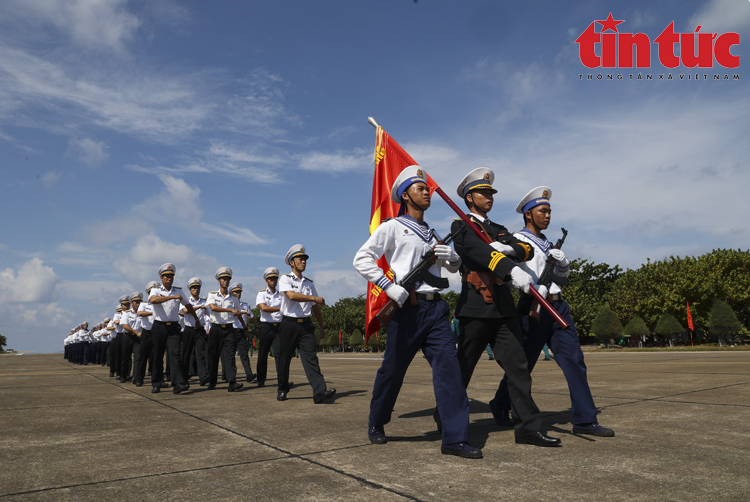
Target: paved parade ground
[(72, 433)]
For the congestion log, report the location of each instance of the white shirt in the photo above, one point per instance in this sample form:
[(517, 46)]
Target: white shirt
[(168, 311), (244, 307), (190, 320), (303, 285), (108, 336), (535, 266), (128, 317), (226, 302), (118, 327), (146, 322), (270, 300), (403, 246)]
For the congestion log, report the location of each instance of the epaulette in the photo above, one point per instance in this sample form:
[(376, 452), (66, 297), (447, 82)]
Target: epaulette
[(212, 293), (176, 287), (290, 275), (307, 278)]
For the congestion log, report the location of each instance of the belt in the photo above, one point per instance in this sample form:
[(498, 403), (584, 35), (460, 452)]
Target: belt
[(428, 296), (270, 323), (554, 297), (296, 319), (167, 323)]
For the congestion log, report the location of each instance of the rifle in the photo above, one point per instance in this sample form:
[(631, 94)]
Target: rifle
[(419, 273), (548, 276)]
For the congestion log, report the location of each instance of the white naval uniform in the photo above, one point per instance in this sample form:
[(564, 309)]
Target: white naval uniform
[(303, 285), (535, 266), (403, 242), (272, 300)]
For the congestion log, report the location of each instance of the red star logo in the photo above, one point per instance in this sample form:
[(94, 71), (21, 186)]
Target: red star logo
[(610, 24)]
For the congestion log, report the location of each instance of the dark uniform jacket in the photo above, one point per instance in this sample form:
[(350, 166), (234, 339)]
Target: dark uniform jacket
[(478, 256)]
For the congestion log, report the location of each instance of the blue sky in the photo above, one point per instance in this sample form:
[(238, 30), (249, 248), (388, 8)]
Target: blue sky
[(209, 134)]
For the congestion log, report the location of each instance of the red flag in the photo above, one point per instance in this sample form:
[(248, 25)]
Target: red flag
[(390, 159), (690, 318), (339, 337)]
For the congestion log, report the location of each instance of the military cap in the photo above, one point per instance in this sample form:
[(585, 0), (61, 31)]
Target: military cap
[(125, 299), (151, 285), (136, 296), (167, 268), (223, 272), (407, 177), (119, 309), (194, 281), (536, 197), (294, 252), (236, 286), (481, 177), (270, 272)]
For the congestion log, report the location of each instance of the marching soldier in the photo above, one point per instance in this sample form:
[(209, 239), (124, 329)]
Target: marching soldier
[(130, 324), (194, 335), (165, 332), (269, 303), (420, 325), (146, 319), (486, 309), (536, 211), (117, 343), (222, 343), (299, 299), (242, 331)]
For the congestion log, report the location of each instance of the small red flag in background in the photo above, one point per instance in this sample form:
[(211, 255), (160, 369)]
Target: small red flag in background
[(690, 318), (390, 159), (339, 337)]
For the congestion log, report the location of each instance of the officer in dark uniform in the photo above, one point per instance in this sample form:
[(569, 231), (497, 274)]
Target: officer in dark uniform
[(536, 211), (486, 309)]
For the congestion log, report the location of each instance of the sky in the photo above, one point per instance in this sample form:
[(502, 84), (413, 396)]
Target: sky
[(209, 134)]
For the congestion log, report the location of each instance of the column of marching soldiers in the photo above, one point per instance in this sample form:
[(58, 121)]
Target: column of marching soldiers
[(195, 333)]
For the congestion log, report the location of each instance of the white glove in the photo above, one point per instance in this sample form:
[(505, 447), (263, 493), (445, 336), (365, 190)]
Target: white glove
[(542, 291), (445, 252), (559, 257), (397, 294), (521, 280), (503, 248)]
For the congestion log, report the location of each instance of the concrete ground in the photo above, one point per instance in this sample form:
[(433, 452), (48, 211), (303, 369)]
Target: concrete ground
[(72, 433)]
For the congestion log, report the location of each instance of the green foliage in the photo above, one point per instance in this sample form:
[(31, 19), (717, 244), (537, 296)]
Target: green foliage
[(666, 286), (606, 325), (723, 321), (636, 328), (3, 343), (346, 315), (451, 298), (588, 284), (356, 339), (668, 328)]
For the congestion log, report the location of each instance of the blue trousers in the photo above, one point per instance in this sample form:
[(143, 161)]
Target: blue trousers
[(424, 327), (568, 355)]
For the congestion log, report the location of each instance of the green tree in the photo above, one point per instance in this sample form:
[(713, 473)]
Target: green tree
[(356, 339), (723, 322), (3, 343), (668, 328), (606, 325), (636, 329), (587, 286)]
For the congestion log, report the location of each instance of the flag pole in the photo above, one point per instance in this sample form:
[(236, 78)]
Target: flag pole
[(542, 300)]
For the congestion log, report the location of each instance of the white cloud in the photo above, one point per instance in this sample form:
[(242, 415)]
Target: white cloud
[(34, 282), (233, 233), (51, 178), (88, 151), (335, 162), (93, 24), (720, 16)]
